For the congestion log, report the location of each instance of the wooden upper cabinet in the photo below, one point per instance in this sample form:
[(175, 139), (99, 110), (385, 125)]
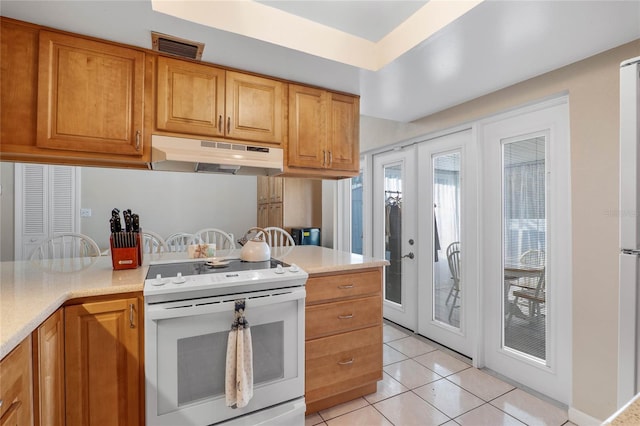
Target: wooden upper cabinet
[(255, 108), (307, 127), (19, 84), (323, 132), (90, 96), (190, 98), (202, 100), (343, 133), (102, 363)]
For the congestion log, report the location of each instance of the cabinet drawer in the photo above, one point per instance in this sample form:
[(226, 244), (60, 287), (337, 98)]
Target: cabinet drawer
[(339, 286), (336, 364), (338, 317), (15, 386)]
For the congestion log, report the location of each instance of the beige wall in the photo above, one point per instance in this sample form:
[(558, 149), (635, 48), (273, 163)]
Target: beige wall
[(593, 88)]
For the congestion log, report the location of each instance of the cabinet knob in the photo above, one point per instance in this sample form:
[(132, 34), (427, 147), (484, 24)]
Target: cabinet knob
[(346, 362), (220, 123), (345, 316), (330, 158), (228, 125), (324, 158), (345, 287)]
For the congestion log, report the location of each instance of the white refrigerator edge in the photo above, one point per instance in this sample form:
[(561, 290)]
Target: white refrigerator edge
[(629, 214)]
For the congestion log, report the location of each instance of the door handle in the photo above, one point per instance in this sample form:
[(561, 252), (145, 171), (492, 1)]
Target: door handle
[(410, 255)]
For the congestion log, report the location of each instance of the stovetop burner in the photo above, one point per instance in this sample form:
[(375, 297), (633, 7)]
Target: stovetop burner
[(200, 267)]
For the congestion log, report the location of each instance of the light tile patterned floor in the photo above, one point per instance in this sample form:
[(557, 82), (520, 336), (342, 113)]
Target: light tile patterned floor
[(425, 385)]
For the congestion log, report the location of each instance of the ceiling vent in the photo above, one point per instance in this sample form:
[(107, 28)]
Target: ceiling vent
[(176, 46)]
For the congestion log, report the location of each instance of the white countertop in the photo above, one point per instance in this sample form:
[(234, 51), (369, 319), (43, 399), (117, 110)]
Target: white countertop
[(31, 291)]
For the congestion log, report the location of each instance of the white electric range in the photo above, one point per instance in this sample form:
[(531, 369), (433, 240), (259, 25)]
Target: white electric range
[(189, 309)]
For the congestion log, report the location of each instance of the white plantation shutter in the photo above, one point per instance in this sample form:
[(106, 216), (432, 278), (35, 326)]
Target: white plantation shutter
[(47, 203), (34, 200), (63, 199)]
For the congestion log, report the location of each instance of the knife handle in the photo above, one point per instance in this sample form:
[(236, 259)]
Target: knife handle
[(135, 219)]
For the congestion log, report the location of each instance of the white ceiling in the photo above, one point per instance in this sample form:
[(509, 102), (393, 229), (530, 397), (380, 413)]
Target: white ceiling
[(494, 45)]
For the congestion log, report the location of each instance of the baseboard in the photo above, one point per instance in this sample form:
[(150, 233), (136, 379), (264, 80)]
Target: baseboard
[(582, 419)]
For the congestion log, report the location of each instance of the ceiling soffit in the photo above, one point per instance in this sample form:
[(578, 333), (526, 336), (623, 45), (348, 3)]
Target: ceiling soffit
[(272, 25)]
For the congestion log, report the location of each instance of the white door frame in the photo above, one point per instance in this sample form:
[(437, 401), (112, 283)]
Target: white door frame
[(554, 378), (404, 313), (460, 339)]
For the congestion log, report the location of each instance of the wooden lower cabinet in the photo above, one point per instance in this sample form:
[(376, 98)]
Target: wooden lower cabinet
[(16, 387), (343, 337), (103, 366), (48, 367)]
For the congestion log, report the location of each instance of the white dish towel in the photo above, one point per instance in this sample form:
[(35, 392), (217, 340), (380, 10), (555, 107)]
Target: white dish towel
[(239, 372)]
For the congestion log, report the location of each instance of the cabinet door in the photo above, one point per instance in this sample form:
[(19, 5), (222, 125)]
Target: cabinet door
[(263, 215), (90, 96), (307, 127), (255, 108), (18, 83), (263, 189), (48, 350), (275, 215), (343, 137), (15, 386), (102, 363), (276, 189), (190, 98)]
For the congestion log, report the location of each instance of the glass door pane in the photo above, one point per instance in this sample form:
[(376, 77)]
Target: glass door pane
[(393, 232), (447, 285), (524, 240)]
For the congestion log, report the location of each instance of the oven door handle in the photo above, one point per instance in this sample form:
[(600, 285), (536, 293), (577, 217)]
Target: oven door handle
[(212, 306)]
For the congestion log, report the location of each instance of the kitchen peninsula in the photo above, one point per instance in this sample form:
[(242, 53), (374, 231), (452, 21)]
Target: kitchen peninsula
[(32, 293)]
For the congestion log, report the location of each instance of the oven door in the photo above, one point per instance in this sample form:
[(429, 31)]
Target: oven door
[(186, 346)]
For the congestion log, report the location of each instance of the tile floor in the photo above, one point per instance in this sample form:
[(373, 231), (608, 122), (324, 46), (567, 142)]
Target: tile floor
[(424, 384)]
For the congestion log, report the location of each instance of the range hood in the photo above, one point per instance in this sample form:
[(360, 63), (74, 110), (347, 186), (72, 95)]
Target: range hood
[(194, 155)]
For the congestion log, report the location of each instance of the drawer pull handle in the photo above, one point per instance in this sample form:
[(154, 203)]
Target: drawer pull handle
[(345, 362), (12, 409), (345, 316), (345, 287)]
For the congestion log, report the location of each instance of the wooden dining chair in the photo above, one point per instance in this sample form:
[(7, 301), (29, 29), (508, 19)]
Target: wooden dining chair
[(223, 240), (535, 297), (454, 266), (454, 246), (153, 243), (180, 241), (66, 245), (278, 237), (531, 258)]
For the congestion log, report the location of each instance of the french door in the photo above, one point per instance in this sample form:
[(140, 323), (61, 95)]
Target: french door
[(526, 248), (447, 292), (423, 225), (395, 232)]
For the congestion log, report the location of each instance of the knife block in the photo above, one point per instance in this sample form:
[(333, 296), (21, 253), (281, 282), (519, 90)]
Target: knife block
[(126, 257)]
